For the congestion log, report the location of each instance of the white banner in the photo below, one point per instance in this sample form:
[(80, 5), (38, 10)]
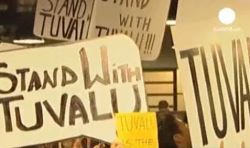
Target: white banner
[(143, 20), (214, 66), (53, 93), (63, 19)]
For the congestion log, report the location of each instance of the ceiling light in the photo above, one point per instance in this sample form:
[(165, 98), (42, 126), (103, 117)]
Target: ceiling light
[(29, 41)]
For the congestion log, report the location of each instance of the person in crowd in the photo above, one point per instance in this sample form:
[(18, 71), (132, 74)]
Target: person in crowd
[(167, 128), (85, 142), (101, 145), (163, 108), (182, 139), (172, 133), (79, 143)]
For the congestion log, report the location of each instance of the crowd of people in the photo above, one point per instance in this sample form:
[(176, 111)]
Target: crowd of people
[(172, 133), (80, 142)]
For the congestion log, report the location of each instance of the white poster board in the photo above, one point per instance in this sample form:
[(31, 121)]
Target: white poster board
[(54, 93), (213, 59), (143, 20), (63, 19)]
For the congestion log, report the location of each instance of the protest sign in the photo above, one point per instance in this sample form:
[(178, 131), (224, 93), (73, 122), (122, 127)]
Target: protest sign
[(214, 66), (138, 130), (63, 19), (142, 20), (53, 93)]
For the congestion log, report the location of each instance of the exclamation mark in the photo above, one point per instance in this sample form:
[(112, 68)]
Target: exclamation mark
[(152, 44), (137, 37), (131, 21), (148, 42), (142, 37), (132, 2)]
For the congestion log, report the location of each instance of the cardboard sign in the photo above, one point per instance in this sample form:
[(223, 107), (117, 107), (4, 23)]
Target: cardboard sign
[(137, 130), (214, 65), (142, 20), (63, 19), (53, 93)]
